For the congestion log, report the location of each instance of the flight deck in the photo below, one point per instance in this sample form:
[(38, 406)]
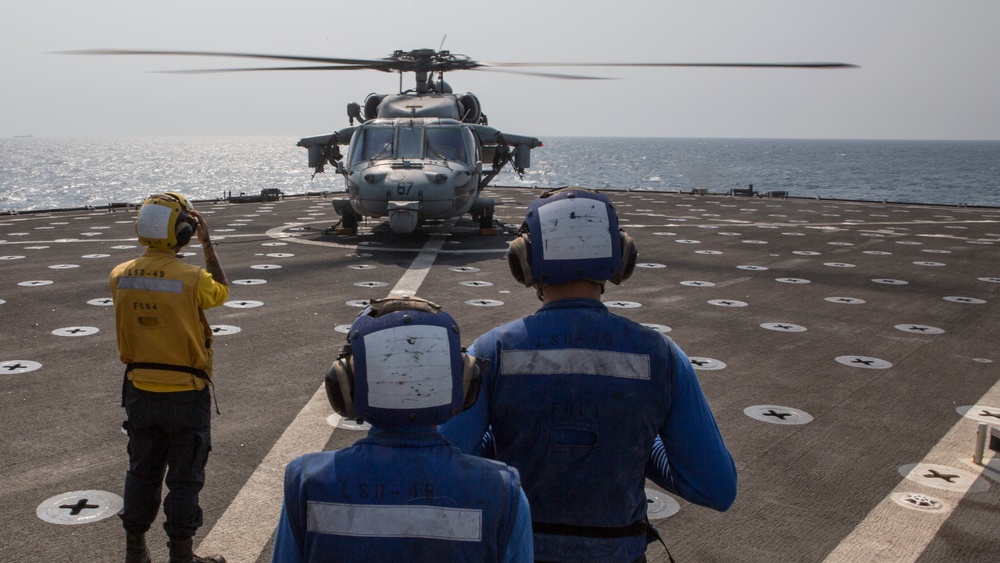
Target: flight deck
[(849, 351)]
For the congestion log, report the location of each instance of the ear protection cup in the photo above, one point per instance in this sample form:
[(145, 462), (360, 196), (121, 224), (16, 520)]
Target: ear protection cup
[(340, 385), (184, 229), (629, 257), (518, 259), (472, 378)]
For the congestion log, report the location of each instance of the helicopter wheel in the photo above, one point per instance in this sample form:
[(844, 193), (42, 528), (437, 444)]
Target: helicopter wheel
[(348, 225), (486, 226)]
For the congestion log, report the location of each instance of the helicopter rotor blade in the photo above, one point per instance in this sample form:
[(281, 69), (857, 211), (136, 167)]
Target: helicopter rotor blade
[(543, 74), (722, 65), (428, 60), (257, 69), (359, 63)]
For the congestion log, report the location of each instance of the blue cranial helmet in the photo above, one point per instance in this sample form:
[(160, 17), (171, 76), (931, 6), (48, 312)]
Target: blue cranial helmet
[(403, 365), (571, 234)]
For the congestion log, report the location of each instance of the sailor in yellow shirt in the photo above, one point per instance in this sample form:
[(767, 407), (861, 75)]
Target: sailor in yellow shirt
[(165, 342)]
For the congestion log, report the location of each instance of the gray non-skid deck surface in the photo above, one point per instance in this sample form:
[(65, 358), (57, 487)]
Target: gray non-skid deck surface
[(879, 322)]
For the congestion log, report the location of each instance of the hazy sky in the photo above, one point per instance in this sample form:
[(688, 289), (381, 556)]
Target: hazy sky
[(930, 69)]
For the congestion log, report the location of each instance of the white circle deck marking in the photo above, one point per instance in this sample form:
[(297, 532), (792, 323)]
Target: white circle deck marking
[(838, 264), (965, 300), (980, 413), (265, 267), (662, 329), (274, 244), (102, 302), (865, 362), (361, 266), (660, 505), (777, 414), (615, 304), (253, 281), (727, 303), (79, 507), (888, 281), (944, 477), (919, 329), (918, 501), (696, 283), (931, 264), (706, 363), (76, 331), (475, 283), (798, 281), (650, 265), (845, 300), (14, 367), (34, 283), (245, 304), (279, 255), (370, 284), (225, 330), (361, 303), (93, 256), (338, 422), (465, 269), (805, 253), (484, 302), (783, 327), (991, 280), (752, 268), (343, 329)]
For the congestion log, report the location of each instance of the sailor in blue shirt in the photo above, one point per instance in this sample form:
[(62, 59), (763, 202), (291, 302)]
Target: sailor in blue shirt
[(403, 493), (584, 403)]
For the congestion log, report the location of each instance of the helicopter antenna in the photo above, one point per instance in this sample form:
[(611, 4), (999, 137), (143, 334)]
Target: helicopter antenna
[(441, 48)]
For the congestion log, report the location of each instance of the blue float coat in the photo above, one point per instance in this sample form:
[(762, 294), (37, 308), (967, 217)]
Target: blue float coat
[(578, 399), (402, 494)]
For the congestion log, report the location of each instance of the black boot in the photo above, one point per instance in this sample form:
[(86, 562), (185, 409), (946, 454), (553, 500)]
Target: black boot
[(180, 552), (135, 548)]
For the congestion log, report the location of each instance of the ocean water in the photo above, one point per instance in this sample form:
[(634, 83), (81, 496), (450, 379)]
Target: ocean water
[(40, 173)]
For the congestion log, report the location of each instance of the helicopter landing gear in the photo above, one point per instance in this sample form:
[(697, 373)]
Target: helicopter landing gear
[(482, 211), (349, 218), (487, 226)]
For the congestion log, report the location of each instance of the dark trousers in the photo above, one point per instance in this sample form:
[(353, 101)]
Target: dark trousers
[(169, 435)]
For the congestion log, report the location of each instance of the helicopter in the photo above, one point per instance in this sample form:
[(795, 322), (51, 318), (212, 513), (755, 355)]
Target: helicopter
[(418, 155)]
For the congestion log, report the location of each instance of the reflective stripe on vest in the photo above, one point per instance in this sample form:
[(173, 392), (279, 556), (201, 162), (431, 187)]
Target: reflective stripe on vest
[(396, 521), (151, 284), (575, 361)]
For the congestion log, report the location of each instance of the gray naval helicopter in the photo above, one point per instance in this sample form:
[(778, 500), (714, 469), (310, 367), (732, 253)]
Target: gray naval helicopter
[(419, 155)]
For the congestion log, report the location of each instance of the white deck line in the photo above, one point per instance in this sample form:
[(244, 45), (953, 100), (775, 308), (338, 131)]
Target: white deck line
[(891, 532)]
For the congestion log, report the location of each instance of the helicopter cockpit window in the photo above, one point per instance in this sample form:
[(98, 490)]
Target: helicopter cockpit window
[(375, 143), (446, 143)]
